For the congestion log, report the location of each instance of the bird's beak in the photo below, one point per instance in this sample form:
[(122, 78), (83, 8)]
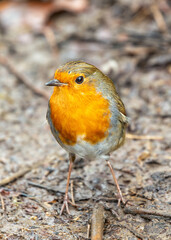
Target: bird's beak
[(55, 82)]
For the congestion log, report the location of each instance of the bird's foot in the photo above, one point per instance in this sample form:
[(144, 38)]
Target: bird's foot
[(65, 204)]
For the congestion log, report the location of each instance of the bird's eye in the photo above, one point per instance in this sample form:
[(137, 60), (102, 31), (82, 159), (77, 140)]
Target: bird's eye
[(79, 79)]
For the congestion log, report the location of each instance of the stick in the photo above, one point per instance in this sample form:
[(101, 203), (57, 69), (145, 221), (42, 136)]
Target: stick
[(97, 223), (140, 236), (145, 137), (34, 199), (44, 187), (4, 61), (40, 203), (105, 199), (2, 202), (158, 17), (23, 171), (88, 231), (141, 211), (15, 176)]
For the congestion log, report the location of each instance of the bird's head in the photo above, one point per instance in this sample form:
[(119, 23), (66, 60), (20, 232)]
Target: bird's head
[(77, 75)]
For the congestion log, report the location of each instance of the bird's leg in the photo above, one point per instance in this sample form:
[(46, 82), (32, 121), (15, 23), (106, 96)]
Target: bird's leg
[(66, 198), (120, 197)]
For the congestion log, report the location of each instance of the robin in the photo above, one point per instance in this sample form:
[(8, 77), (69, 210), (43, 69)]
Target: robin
[(86, 116)]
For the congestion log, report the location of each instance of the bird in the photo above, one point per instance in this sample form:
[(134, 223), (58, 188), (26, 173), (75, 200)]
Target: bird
[(86, 116)]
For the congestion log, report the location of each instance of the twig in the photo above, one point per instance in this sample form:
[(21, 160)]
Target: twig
[(88, 231), (22, 172), (2, 202), (39, 202), (43, 187), (110, 208), (4, 61), (131, 230), (105, 199), (15, 176), (34, 199), (141, 211), (158, 17), (145, 137), (97, 222), (72, 192), (49, 189)]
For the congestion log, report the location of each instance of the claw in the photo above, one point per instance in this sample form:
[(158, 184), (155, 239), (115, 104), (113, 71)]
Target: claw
[(65, 204)]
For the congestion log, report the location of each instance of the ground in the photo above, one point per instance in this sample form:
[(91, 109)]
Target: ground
[(129, 41)]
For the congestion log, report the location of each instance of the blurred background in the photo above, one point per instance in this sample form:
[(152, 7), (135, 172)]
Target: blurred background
[(130, 42)]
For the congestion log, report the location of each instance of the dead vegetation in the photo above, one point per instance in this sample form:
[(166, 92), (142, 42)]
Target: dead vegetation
[(130, 41)]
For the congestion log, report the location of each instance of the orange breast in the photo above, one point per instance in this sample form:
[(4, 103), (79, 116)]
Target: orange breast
[(79, 115)]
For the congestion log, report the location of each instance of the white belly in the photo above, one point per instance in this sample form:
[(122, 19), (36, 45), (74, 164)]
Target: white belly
[(101, 150)]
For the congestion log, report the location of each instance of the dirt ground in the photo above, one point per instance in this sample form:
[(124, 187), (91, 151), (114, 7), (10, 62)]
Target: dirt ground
[(128, 40)]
